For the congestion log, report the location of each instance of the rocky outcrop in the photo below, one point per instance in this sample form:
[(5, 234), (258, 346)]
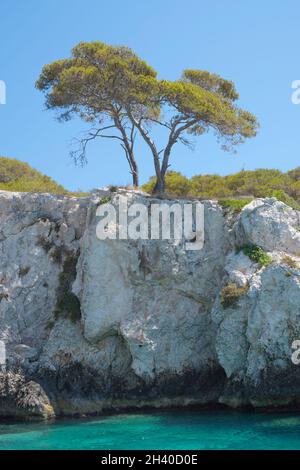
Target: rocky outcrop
[(91, 325), (254, 338)]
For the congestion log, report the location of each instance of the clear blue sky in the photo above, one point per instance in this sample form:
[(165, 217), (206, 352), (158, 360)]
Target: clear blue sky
[(255, 43)]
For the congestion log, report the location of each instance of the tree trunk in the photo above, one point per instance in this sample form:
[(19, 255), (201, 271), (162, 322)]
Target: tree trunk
[(160, 184), (128, 144), (135, 172), (159, 187)]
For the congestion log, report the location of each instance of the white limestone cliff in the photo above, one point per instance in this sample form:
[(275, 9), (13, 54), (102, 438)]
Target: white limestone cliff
[(92, 325)]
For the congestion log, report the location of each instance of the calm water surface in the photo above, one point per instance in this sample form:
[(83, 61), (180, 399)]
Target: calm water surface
[(165, 430)]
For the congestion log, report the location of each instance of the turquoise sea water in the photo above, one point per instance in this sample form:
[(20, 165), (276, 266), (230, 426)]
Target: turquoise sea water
[(164, 430)]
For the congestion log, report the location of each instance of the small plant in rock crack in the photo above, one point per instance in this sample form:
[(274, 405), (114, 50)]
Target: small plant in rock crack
[(23, 271), (105, 200), (44, 243), (68, 306), (256, 254), (235, 205), (290, 262), (56, 254), (67, 303), (3, 296), (231, 294)]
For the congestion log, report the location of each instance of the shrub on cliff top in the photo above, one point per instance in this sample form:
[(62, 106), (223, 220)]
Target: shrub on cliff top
[(236, 205), (244, 184), (19, 176)]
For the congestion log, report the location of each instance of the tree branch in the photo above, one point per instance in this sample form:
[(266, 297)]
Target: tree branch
[(173, 137), (144, 133)]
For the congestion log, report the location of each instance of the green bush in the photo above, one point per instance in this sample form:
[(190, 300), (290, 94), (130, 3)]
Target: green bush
[(176, 184), (20, 177), (248, 184), (256, 254), (284, 197), (236, 205)]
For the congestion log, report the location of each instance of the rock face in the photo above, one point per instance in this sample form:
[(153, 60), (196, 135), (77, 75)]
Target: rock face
[(90, 325)]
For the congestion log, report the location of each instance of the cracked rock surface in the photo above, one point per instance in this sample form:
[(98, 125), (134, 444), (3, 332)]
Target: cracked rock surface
[(90, 325)]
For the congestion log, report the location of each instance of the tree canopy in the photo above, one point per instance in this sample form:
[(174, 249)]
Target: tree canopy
[(100, 83), (121, 96)]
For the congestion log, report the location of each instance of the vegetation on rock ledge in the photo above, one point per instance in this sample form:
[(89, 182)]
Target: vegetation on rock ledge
[(231, 294), (256, 254), (68, 305)]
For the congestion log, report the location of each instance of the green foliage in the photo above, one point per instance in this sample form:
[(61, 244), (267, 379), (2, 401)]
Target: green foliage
[(106, 86), (294, 174), (256, 254), (96, 76), (176, 184), (211, 82), (115, 90), (236, 205), (247, 183), (19, 176), (105, 200), (284, 197), (231, 294), (244, 185), (204, 101)]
